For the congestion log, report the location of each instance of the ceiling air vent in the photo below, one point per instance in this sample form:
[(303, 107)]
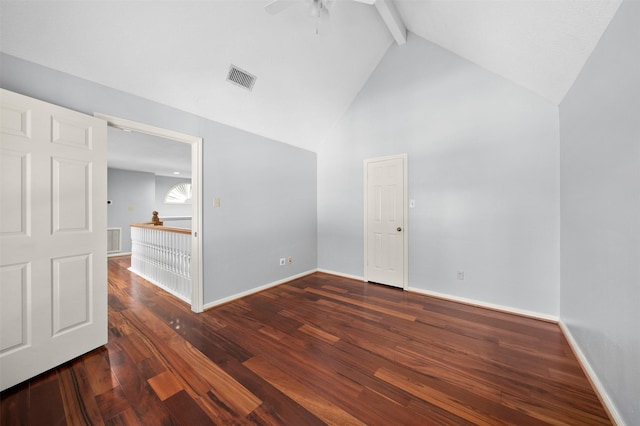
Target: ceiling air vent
[(241, 78)]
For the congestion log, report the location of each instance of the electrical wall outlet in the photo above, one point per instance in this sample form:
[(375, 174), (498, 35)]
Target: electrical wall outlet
[(283, 261), (290, 260), (461, 275)]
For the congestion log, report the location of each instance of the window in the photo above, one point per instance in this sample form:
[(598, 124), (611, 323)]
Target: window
[(179, 194)]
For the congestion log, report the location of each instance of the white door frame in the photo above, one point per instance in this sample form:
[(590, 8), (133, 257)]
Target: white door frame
[(196, 200), (405, 248)]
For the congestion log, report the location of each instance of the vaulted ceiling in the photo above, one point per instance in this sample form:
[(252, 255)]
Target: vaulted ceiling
[(178, 52)]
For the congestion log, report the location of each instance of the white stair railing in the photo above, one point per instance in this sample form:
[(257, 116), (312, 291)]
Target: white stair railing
[(162, 256)]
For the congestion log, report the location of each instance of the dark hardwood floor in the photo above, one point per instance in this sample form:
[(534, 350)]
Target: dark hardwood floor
[(317, 350)]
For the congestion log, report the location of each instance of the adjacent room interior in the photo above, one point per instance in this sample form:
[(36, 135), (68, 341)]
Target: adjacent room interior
[(518, 126)]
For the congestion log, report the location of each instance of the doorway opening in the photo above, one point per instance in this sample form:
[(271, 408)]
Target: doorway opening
[(195, 263)]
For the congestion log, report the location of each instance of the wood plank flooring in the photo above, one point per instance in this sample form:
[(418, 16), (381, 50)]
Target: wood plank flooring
[(317, 350)]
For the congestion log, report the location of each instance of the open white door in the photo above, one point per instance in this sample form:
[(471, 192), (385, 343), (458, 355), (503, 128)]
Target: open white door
[(385, 220), (53, 239)]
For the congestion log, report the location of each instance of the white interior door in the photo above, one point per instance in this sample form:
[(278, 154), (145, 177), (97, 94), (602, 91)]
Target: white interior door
[(53, 270), (385, 221)]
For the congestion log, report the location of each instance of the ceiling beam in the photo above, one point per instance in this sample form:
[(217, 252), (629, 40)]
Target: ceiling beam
[(391, 17)]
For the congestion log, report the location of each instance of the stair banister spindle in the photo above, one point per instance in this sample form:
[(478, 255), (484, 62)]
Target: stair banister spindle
[(162, 256)]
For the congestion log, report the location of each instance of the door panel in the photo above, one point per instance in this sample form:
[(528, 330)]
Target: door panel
[(53, 236), (385, 180), (14, 291), (71, 190), (71, 292), (68, 131), (14, 192), (15, 120)]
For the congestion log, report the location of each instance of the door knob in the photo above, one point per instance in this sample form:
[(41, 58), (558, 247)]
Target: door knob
[(399, 229)]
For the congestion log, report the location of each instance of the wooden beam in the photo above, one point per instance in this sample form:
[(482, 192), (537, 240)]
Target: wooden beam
[(391, 17)]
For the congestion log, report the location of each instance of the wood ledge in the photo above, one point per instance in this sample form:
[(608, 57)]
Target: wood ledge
[(150, 225)]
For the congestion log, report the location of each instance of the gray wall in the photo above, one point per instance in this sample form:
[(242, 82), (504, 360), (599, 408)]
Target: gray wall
[(268, 198), (132, 196), (135, 195), (600, 211), (267, 188), (483, 169)]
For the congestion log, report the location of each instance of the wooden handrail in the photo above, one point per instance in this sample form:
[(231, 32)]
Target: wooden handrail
[(150, 225)]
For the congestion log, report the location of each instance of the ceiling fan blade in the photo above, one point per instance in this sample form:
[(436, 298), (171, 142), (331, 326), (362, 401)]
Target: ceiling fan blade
[(276, 6)]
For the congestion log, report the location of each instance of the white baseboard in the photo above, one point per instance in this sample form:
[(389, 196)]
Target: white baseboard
[(507, 309), (591, 374), (340, 274), (256, 289), (120, 253)]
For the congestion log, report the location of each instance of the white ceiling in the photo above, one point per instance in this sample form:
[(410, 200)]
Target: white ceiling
[(178, 52), (145, 153), (541, 44)]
